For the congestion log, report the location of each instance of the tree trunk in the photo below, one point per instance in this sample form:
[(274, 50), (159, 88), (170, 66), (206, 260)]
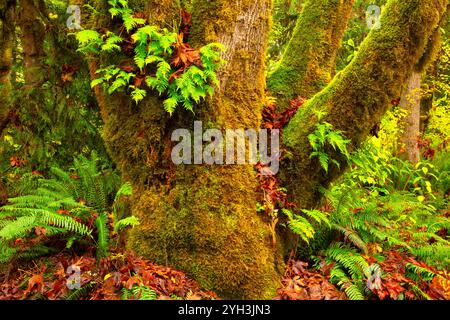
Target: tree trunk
[(6, 59), (308, 63), (201, 219), (32, 39), (410, 102), (358, 96)]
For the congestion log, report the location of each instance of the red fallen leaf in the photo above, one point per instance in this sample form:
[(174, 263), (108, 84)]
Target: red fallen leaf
[(395, 102), (127, 68), (40, 231), (185, 25), (184, 56), (74, 176), (429, 154), (131, 282), (18, 241), (67, 72), (138, 81), (36, 283), (357, 210), (63, 212), (16, 162)]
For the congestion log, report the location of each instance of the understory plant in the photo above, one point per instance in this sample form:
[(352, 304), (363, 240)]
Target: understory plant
[(68, 208), (154, 59)]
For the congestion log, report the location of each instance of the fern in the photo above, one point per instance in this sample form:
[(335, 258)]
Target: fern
[(153, 50), (302, 226), (350, 272), (139, 292), (77, 294), (103, 236), (325, 135), (77, 194)]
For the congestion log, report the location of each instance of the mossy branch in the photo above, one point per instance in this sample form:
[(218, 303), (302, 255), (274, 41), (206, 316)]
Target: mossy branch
[(358, 97)]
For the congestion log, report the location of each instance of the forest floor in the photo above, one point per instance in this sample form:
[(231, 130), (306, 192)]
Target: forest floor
[(123, 275)]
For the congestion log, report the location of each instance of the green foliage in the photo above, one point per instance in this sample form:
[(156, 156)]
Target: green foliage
[(77, 294), (139, 292), (325, 135), (438, 129), (62, 207), (302, 225), (350, 271), (284, 17), (155, 53), (103, 235)]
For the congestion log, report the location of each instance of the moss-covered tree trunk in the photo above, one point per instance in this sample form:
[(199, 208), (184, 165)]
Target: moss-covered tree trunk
[(358, 96), (199, 218), (32, 40), (6, 59), (410, 103), (308, 63)]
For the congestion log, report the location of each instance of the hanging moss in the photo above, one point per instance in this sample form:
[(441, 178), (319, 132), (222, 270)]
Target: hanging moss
[(309, 60), (359, 96)]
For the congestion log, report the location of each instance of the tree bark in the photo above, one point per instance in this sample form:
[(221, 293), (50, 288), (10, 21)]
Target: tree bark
[(201, 219), (308, 63), (358, 96), (6, 59), (410, 102), (32, 39)]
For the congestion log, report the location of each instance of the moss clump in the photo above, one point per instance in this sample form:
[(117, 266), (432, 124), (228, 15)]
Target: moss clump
[(309, 60), (206, 226)]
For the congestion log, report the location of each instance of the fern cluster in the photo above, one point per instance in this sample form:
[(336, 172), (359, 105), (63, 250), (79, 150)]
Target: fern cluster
[(66, 206), (305, 225), (154, 48), (326, 135), (350, 272), (139, 292)]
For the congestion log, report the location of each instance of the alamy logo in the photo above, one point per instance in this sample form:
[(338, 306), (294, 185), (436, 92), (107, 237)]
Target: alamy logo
[(74, 21), (236, 147), (373, 15), (74, 279)]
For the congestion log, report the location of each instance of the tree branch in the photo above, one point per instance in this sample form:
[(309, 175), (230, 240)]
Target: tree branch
[(308, 63), (359, 96)]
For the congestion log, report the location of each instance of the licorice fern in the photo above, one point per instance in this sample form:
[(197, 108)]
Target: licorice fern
[(155, 57)]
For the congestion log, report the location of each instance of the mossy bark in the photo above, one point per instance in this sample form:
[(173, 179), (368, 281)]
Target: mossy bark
[(6, 59), (410, 103), (32, 40), (358, 97), (199, 218), (308, 63)]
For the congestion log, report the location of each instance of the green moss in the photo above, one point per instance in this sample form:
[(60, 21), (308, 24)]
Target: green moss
[(206, 227), (309, 60), (359, 96)]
